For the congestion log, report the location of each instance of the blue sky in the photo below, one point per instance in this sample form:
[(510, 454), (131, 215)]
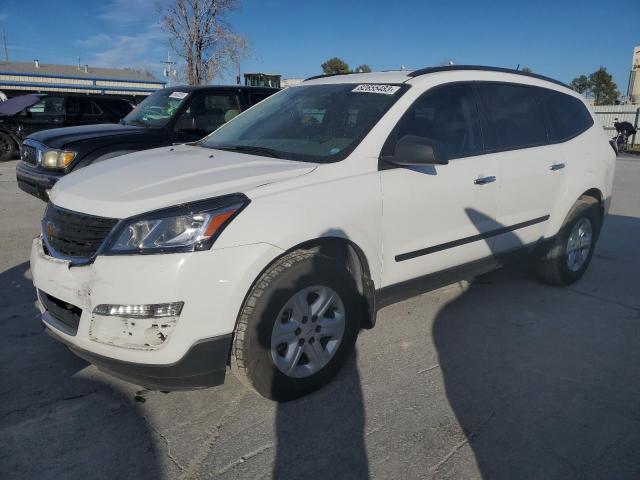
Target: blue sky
[(555, 38)]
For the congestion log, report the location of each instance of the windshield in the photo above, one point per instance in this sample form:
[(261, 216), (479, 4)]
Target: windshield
[(156, 110), (315, 123)]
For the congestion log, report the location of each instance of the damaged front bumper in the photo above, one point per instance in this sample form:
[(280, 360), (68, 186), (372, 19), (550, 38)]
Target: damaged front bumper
[(211, 285), (204, 365)]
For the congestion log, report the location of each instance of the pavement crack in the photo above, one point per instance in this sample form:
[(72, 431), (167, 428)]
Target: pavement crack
[(245, 457), (202, 453), (602, 299), (433, 367), (52, 402), (170, 455), (456, 448)]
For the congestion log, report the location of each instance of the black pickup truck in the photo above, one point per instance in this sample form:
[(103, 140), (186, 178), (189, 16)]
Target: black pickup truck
[(168, 116), (23, 115)]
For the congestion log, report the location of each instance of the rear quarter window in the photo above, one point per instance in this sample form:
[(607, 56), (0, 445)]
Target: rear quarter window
[(512, 115), (566, 116)]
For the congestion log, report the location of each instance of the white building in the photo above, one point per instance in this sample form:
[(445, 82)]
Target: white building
[(633, 89)]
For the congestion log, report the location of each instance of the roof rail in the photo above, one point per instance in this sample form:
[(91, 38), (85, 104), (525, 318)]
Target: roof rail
[(448, 68), (328, 75)]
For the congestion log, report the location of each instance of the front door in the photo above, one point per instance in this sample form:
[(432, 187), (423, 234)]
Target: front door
[(438, 217), (47, 113)]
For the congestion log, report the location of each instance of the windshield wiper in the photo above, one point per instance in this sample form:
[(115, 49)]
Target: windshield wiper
[(250, 149)]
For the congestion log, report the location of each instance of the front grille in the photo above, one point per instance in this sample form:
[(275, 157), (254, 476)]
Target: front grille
[(65, 313), (74, 234), (29, 154)]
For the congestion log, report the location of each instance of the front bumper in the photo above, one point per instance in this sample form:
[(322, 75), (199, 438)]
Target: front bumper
[(212, 284), (204, 365), (34, 181)]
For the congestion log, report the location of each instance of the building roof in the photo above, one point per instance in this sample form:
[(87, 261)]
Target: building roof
[(75, 72)]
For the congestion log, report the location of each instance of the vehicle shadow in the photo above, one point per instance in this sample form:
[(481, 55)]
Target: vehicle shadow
[(321, 435), (56, 421), (544, 380)]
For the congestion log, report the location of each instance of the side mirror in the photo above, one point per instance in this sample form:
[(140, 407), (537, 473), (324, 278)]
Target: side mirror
[(414, 151)]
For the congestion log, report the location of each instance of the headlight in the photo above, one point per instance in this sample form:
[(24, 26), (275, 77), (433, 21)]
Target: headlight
[(185, 228), (56, 158)]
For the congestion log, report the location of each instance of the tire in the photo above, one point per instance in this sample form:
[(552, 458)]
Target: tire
[(302, 274), (560, 264), (7, 147)]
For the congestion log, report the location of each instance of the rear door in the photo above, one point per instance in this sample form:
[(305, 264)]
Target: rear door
[(528, 183), (441, 216)]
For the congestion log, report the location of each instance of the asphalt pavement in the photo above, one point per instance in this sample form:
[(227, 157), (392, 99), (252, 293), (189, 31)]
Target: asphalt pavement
[(497, 378)]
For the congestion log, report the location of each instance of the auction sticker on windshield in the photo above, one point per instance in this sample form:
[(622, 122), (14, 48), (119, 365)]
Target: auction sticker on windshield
[(371, 88), (179, 95)]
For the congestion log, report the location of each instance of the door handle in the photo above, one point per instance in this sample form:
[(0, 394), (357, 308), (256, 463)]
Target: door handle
[(484, 180), (557, 166)]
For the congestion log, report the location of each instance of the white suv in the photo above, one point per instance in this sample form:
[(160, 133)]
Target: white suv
[(268, 245)]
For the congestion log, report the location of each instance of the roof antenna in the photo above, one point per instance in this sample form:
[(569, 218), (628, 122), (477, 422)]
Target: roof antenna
[(518, 67)]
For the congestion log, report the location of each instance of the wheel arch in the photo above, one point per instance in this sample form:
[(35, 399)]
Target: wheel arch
[(561, 212), (597, 195), (355, 261), (351, 256)]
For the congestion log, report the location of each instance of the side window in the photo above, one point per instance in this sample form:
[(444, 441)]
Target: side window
[(257, 98), (512, 115), (447, 118), (94, 109), (207, 112), (565, 115), (73, 107), (48, 106)]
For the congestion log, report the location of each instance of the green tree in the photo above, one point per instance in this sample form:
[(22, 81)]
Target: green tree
[(364, 68), (599, 86), (581, 84), (603, 88), (335, 66)]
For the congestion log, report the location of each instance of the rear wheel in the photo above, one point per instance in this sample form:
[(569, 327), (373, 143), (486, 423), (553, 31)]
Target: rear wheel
[(568, 256), (7, 147), (296, 327)]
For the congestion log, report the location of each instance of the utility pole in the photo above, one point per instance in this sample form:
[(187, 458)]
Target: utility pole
[(4, 42), (168, 69)]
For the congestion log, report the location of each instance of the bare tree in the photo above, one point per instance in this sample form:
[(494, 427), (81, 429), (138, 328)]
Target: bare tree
[(201, 36)]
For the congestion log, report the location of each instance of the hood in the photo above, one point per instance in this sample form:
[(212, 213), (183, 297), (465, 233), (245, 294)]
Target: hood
[(17, 104), (145, 181), (59, 137)]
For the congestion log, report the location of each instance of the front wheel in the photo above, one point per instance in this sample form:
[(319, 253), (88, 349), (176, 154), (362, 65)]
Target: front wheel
[(568, 256), (296, 327), (7, 147)]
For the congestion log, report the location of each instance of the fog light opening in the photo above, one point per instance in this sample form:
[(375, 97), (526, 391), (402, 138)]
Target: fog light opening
[(134, 326)]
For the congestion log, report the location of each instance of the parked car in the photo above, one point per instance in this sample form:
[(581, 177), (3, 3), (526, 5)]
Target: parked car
[(270, 243), (26, 114), (171, 115)]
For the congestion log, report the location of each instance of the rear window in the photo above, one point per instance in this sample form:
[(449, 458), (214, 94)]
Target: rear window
[(513, 117), (565, 115)]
